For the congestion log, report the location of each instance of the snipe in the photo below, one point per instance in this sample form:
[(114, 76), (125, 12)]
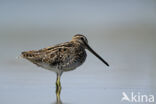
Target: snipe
[(62, 57)]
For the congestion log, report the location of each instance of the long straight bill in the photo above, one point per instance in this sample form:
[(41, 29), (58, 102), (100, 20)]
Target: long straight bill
[(93, 52)]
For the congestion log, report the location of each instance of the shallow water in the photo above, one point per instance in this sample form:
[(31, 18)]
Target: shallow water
[(123, 33), (26, 83)]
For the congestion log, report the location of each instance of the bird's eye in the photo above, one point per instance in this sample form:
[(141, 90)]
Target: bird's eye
[(82, 38)]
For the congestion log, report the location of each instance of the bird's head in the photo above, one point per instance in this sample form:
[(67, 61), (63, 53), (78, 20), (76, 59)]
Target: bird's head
[(80, 38), (84, 42)]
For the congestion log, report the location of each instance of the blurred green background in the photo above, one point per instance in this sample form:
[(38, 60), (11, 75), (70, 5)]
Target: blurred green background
[(123, 32)]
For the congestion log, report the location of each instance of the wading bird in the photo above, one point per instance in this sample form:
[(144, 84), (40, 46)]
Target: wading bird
[(62, 57)]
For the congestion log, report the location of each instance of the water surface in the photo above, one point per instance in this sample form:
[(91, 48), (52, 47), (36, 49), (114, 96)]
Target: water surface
[(123, 33)]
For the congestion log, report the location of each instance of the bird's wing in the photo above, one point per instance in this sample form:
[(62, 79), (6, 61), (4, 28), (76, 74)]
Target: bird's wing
[(58, 55), (52, 55), (33, 56)]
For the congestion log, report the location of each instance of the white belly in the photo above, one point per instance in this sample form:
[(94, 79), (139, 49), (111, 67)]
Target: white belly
[(47, 66)]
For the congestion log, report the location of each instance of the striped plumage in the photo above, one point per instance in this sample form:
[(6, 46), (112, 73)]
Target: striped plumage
[(62, 57), (59, 58)]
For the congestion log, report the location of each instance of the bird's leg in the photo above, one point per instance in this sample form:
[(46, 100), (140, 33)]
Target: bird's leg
[(58, 88), (58, 84)]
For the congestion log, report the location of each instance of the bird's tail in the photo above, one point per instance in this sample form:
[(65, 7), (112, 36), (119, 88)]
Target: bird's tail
[(28, 54)]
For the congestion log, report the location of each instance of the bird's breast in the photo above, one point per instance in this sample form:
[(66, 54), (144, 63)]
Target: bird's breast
[(75, 59)]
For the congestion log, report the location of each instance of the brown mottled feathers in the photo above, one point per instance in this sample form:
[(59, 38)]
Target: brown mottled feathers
[(64, 56)]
